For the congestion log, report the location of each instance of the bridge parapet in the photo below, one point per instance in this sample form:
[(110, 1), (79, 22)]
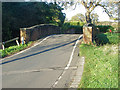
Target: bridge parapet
[(36, 32)]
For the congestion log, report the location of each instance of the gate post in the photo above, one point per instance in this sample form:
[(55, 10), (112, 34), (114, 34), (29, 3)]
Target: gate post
[(89, 33), (23, 35)]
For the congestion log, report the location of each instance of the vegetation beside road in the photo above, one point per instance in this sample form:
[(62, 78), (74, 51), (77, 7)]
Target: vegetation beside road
[(101, 63), (14, 49), (16, 15), (77, 26)]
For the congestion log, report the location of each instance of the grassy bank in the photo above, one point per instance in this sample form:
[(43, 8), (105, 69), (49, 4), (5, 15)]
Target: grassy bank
[(101, 63), (14, 49)]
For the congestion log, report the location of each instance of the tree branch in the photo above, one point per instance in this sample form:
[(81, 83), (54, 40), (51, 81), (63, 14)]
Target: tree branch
[(95, 5), (84, 4), (75, 6), (91, 4), (105, 9), (86, 1)]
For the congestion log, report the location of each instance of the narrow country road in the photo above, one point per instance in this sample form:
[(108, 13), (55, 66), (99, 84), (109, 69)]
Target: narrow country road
[(46, 65)]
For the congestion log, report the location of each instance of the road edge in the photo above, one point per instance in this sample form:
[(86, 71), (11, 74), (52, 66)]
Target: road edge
[(79, 72), (69, 62), (27, 48)]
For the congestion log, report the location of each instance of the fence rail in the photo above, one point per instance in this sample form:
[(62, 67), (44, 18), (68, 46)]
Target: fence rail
[(14, 39)]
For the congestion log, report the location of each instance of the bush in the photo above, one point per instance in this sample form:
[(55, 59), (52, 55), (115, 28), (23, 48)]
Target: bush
[(105, 28), (78, 29), (104, 38), (13, 49), (113, 38), (67, 26), (77, 23)]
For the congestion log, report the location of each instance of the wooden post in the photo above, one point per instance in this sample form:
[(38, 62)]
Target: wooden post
[(87, 34), (3, 46), (17, 43), (3, 43)]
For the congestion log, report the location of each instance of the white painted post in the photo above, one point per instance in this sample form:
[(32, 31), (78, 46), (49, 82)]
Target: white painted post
[(22, 39), (17, 42), (3, 46)]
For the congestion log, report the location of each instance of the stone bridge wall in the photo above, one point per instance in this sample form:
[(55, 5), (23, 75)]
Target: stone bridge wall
[(37, 32)]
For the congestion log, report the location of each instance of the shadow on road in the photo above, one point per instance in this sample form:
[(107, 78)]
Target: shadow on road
[(39, 52)]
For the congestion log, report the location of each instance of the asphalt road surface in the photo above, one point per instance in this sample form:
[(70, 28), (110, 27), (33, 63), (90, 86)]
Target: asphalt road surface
[(42, 66)]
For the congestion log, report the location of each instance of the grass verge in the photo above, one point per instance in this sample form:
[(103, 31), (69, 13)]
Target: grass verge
[(14, 49), (101, 64)]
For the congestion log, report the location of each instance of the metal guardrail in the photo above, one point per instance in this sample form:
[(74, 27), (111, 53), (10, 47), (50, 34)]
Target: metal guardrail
[(15, 39)]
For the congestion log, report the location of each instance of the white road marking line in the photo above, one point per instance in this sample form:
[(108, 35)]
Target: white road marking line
[(27, 48), (68, 65), (71, 57), (56, 82), (59, 77)]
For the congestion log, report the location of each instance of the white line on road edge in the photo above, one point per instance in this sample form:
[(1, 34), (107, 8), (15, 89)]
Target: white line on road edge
[(27, 48), (78, 74), (68, 65)]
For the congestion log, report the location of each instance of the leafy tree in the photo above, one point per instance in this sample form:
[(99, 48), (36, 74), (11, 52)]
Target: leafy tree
[(81, 17), (16, 15), (57, 16), (114, 9), (78, 17)]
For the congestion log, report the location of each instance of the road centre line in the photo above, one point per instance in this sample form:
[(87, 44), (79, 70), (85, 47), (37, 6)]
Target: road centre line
[(68, 65)]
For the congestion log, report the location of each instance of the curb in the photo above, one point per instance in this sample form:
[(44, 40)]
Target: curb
[(79, 72)]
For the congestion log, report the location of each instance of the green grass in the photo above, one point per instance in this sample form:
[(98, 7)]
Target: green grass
[(101, 64), (110, 38), (14, 49)]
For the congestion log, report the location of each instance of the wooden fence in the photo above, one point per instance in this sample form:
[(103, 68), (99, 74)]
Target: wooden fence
[(15, 39)]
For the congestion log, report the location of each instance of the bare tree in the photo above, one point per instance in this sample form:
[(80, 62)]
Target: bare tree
[(90, 5)]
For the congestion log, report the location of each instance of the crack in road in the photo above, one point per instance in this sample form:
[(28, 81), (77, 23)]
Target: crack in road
[(38, 70)]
